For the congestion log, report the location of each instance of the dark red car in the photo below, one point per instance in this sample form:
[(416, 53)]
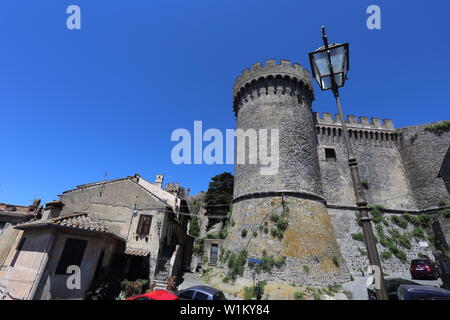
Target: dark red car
[(423, 268), (155, 295)]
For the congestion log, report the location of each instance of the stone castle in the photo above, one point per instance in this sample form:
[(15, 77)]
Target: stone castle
[(307, 212)]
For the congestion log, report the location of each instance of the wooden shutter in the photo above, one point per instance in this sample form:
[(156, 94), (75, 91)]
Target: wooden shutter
[(144, 225)]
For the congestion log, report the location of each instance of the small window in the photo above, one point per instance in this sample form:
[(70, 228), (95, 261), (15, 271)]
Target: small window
[(72, 254), (201, 296), (187, 295), (143, 228), (219, 296), (330, 154)]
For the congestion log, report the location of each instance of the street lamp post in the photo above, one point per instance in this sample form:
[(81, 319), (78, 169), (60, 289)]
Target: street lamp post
[(329, 66)]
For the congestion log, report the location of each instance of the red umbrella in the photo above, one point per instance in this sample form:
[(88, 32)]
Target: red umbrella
[(155, 295)]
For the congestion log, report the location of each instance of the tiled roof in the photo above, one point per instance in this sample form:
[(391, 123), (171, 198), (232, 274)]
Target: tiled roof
[(79, 221), (18, 210)]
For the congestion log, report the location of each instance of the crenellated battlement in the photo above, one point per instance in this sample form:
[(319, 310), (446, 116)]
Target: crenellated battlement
[(375, 132), (283, 69), (352, 122), (280, 80)]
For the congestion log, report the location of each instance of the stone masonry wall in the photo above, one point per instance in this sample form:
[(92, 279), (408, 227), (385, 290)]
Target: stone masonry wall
[(308, 243), (344, 222), (379, 162), (422, 153)]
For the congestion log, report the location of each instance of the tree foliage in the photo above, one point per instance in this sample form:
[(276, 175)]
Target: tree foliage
[(219, 195)]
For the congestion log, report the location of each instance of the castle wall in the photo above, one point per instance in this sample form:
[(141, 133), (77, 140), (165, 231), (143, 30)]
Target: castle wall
[(375, 146), (309, 242), (422, 153), (344, 223)]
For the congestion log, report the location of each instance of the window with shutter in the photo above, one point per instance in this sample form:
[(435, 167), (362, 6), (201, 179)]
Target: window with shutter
[(144, 224)]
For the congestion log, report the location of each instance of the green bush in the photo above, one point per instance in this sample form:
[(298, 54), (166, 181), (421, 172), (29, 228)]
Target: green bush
[(333, 289), (282, 224), (403, 240), (255, 292), (413, 219), (259, 289), (299, 295), (198, 247), (336, 261), (268, 262), (223, 234), (400, 254), (379, 229), (274, 217), (399, 221), (362, 252), (249, 293), (425, 219), (394, 233), (131, 288), (418, 233), (281, 262), (306, 269), (439, 128), (194, 227), (236, 264), (255, 234), (385, 255), (358, 236), (316, 295), (244, 233), (276, 233), (377, 213)]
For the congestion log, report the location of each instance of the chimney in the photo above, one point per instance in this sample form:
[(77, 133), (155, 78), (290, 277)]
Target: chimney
[(159, 180)]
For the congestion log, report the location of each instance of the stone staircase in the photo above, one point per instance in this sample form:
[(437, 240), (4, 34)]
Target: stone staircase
[(160, 284)]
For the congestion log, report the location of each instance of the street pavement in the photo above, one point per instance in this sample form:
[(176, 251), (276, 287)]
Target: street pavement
[(191, 280), (358, 287)]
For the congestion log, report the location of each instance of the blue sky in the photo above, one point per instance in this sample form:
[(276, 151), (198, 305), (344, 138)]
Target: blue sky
[(75, 104)]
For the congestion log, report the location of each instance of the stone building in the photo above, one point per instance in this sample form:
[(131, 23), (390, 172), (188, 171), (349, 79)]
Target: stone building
[(312, 193), (11, 215), (128, 226)]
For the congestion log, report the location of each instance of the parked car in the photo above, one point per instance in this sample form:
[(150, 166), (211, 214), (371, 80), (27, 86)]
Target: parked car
[(411, 292), (155, 295), (444, 272), (423, 268), (200, 293), (391, 285)]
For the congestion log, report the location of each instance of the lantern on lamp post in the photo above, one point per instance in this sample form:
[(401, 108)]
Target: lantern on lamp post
[(329, 65)]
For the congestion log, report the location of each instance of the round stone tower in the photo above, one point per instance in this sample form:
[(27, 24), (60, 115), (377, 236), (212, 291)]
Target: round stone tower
[(282, 213)]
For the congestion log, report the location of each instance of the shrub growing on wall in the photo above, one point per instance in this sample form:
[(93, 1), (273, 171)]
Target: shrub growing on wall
[(358, 236)]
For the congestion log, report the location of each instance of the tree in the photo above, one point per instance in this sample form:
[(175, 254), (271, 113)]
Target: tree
[(194, 227), (219, 195)]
